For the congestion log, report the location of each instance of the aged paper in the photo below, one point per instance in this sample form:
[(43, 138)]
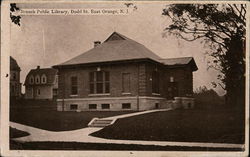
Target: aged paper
[(127, 78)]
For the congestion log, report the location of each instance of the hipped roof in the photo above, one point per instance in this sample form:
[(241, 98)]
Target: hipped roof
[(118, 47)]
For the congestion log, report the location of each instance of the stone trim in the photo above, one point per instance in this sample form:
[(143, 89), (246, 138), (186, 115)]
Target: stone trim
[(110, 98)]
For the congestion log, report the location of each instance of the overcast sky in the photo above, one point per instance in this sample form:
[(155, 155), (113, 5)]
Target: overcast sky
[(68, 36)]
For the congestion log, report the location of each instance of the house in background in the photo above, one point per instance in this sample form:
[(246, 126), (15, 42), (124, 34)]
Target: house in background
[(122, 74), (41, 84), (15, 85)]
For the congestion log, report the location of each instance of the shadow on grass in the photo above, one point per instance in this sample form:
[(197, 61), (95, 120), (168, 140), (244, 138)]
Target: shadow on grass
[(100, 146)]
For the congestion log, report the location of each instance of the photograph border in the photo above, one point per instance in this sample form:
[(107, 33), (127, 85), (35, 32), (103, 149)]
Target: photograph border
[(5, 54)]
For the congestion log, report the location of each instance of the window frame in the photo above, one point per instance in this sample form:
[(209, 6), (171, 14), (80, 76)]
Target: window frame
[(155, 82), (105, 108), (129, 85), (37, 77), (70, 107), (99, 82), (92, 108), (43, 77), (123, 105), (73, 86), (31, 79)]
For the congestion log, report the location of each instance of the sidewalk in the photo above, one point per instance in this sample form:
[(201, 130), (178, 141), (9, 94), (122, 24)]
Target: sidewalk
[(82, 135), (136, 114)]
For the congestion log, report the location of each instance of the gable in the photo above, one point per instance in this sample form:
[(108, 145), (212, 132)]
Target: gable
[(114, 36)]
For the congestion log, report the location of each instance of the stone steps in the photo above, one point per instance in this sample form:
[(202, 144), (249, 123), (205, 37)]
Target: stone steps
[(100, 122)]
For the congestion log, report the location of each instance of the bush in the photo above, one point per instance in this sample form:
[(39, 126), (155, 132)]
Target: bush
[(207, 98)]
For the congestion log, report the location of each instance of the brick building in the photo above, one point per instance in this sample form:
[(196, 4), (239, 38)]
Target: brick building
[(41, 83), (15, 85), (122, 74)]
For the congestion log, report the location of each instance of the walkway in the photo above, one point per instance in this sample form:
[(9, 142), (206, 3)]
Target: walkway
[(136, 113), (82, 135)]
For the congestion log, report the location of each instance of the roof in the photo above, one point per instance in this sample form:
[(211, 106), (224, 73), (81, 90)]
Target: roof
[(14, 65), (116, 47), (180, 61), (49, 72)]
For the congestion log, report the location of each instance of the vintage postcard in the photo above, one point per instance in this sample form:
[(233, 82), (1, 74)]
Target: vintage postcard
[(124, 78)]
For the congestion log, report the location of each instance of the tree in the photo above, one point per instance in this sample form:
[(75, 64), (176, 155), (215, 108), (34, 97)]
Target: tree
[(223, 28), (15, 19)]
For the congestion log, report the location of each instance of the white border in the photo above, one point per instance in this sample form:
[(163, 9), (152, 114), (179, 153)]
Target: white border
[(5, 49)]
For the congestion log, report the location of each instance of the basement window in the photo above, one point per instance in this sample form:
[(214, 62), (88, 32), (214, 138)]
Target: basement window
[(126, 106), (105, 106), (92, 106), (73, 106)]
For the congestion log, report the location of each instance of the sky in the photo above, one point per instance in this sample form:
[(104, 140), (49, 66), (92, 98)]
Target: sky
[(50, 39)]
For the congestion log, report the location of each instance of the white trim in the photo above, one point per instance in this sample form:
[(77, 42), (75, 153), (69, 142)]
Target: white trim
[(73, 95), (102, 94), (126, 93), (156, 94), (110, 98)]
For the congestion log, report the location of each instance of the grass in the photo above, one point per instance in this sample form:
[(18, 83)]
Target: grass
[(52, 120), (99, 146), (219, 125), (15, 133)]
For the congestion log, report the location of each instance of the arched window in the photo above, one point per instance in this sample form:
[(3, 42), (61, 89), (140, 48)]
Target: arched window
[(37, 79), (31, 79), (44, 79)]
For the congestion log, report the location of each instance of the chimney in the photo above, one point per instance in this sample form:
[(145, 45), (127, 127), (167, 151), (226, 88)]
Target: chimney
[(96, 43), (38, 67)]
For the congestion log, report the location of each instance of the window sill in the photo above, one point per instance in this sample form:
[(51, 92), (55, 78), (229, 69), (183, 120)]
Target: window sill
[(104, 94), (126, 93), (73, 95), (156, 94)]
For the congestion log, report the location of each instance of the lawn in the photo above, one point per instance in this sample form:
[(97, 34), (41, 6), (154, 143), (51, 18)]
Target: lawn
[(220, 125), (15, 133), (104, 146), (52, 120)]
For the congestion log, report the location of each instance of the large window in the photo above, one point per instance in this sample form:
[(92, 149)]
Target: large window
[(74, 87), (126, 82), (99, 82), (155, 82)]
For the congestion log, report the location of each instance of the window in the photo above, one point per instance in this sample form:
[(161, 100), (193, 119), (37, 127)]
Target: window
[(55, 92), (38, 92), (126, 82), (73, 106), (99, 82), (156, 105), (14, 76), (92, 106), (105, 106), (126, 106), (74, 88), (171, 79), (155, 82), (37, 78), (31, 79), (43, 78)]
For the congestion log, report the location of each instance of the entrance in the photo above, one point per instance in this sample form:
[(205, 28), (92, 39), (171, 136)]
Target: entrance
[(172, 90)]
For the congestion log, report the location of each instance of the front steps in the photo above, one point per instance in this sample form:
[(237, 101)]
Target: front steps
[(96, 122)]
